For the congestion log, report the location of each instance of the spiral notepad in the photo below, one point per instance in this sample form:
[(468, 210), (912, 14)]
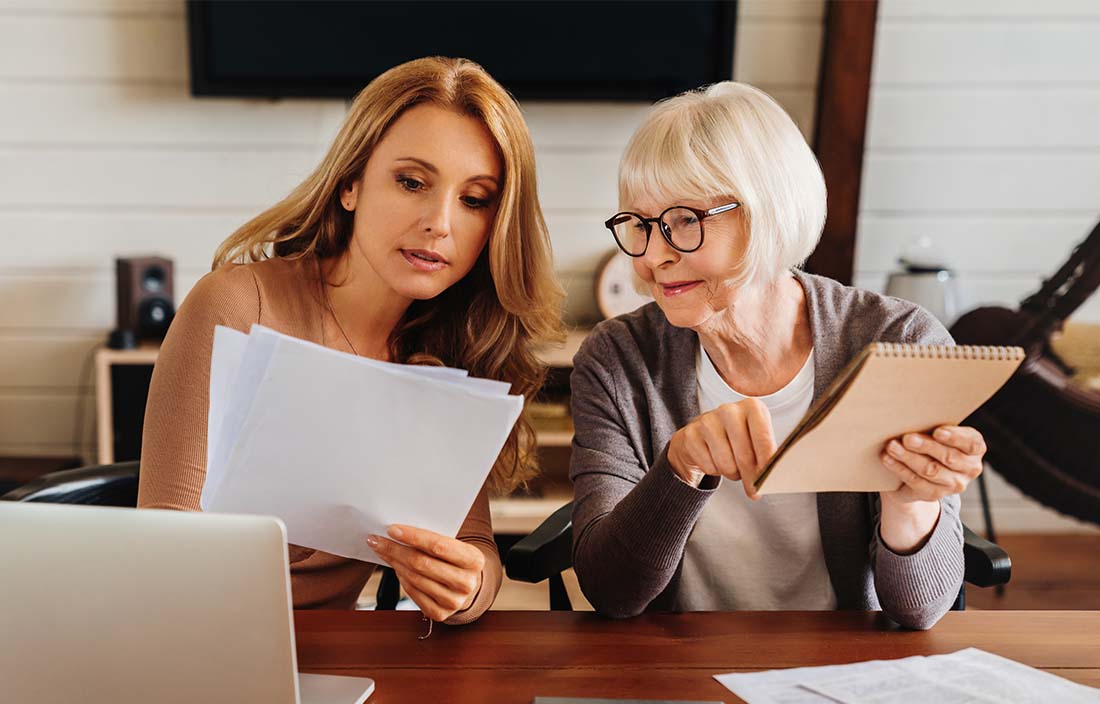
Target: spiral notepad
[(886, 391)]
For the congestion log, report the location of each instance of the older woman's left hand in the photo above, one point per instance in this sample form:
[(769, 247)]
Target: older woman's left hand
[(930, 467), (934, 466), (442, 575)]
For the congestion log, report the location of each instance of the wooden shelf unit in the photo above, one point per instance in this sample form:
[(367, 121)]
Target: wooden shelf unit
[(105, 358), (521, 515)]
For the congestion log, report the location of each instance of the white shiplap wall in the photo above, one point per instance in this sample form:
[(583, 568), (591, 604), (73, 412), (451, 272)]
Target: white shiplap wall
[(983, 134), (103, 153)]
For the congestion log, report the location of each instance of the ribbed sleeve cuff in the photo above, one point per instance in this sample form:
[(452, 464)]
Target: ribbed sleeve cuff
[(477, 607), (491, 577), (927, 579), (655, 519)]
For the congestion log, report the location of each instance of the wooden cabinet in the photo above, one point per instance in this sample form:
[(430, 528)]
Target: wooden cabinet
[(112, 397)]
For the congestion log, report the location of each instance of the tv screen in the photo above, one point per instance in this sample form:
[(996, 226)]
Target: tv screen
[(539, 50)]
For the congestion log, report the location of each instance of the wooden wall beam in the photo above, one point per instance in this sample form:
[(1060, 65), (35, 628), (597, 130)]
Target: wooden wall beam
[(843, 95)]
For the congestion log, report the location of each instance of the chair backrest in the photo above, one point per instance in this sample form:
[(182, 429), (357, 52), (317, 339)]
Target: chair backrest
[(100, 485)]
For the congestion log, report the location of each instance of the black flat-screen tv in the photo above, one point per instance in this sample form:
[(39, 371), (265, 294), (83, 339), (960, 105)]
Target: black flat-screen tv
[(572, 50)]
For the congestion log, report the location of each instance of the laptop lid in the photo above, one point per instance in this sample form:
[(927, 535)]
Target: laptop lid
[(119, 605)]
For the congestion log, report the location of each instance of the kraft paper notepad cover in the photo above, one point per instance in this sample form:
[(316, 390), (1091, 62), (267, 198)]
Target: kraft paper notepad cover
[(886, 391)]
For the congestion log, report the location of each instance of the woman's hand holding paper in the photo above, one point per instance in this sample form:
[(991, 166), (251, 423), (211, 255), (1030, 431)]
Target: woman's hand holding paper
[(931, 467), (442, 575)]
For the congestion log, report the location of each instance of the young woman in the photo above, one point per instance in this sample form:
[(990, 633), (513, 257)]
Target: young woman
[(418, 239)]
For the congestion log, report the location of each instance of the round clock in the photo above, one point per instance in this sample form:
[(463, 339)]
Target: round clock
[(615, 292)]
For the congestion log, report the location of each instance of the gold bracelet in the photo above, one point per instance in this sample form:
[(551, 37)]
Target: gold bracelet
[(425, 618)]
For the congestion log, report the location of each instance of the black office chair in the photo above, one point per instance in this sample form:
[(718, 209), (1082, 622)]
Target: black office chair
[(548, 551), (117, 485)]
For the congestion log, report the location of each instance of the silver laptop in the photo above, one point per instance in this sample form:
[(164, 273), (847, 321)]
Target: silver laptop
[(118, 605)]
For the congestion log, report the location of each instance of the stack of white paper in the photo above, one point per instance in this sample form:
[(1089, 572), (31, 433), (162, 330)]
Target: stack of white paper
[(340, 446), (968, 676)]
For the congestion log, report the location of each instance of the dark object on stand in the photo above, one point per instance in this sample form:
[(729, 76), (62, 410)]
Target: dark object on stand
[(145, 299), (119, 339), (1040, 427)]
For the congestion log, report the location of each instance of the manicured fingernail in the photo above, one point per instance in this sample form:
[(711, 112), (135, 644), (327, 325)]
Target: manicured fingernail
[(915, 440), (395, 532), (942, 434), (894, 448), (373, 541), (890, 461)]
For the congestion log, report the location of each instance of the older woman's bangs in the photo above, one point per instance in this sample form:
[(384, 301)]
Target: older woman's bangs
[(661, 164), (732, 140)]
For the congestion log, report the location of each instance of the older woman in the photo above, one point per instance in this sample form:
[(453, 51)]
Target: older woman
[(679, 405)]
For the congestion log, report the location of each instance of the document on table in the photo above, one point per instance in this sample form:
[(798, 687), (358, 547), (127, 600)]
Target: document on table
[(968, 676), (340, 446)]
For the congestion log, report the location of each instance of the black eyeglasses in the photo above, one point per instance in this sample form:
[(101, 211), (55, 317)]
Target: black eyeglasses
[(681, 226)]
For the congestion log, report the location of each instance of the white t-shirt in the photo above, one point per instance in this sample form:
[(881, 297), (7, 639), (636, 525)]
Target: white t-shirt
[(766, 554)]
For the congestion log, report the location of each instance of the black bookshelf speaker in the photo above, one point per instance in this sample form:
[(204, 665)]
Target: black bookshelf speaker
[(146, 301)]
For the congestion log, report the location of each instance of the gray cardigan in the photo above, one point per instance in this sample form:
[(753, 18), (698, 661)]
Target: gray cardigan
[(634, 385)]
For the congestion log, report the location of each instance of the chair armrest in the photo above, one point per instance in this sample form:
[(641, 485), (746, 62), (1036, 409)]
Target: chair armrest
[(987, 564), (547, 551)]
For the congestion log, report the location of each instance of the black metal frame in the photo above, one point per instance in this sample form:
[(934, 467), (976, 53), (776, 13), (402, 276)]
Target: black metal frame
[(664, 228)]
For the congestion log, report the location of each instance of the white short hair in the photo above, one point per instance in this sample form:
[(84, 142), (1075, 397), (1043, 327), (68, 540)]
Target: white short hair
[(731, 140)]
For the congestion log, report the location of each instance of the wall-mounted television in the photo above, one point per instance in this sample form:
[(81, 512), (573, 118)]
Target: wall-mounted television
[(566, 50)]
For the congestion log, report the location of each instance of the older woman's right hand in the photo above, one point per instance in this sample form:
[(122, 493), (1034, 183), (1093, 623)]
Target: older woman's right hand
[(734, 441)]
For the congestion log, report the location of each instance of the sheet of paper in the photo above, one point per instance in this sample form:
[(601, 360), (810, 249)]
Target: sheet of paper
[(883, 682), (449, 375), (229, 347), (968, 676), (1000, 679), (231, 397), (778, 686), (339, 447)]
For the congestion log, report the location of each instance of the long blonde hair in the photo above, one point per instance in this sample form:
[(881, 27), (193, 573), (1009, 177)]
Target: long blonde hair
[(489, 322)]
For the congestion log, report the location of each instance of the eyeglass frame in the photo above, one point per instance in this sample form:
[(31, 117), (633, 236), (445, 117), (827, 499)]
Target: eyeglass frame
[(662, 225)]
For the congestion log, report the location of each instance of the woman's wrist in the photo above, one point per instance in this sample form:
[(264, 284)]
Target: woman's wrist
[(688, 475), (691, 477), (905, 527)]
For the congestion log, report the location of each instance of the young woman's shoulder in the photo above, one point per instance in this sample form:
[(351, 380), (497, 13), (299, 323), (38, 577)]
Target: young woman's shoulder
[(238, 295), (228, 296)]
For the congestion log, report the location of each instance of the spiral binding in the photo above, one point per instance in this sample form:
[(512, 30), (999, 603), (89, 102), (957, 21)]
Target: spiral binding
[(987, 352)]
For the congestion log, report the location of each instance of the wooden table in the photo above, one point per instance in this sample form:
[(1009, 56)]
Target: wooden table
[(513, 656)]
